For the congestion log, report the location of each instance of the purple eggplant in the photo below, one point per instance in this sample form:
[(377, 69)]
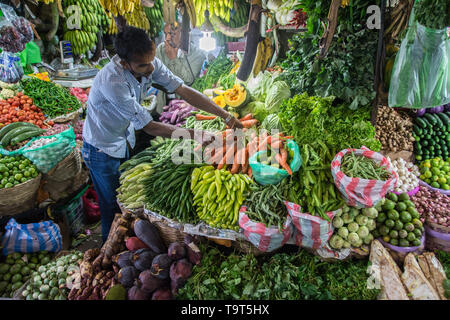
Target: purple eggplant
[(421, 112)]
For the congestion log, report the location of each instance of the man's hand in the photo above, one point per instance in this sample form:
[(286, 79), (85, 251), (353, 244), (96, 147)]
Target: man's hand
[(234, 124), (171, 52), (205, 138)]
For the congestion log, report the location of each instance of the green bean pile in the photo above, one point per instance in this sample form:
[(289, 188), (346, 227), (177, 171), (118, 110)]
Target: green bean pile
[(361, 167), (53, 100), (168, 191), (218, 124), (266, 204)]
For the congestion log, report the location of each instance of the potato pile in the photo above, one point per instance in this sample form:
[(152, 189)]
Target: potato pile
[(394, 130)]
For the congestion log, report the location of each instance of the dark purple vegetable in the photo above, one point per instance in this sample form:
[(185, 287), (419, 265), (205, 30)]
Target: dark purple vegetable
[(136, 293), (149, 282), (162, 294), (181, 269), (161, 266), (124, 259), (447, 107), (176, 251), (149, 234), (194, 254), (421, 112), (144, 260), (127, 276), (177, 284)]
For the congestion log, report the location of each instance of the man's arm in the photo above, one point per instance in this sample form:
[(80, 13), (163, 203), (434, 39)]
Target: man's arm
[(202, 102)]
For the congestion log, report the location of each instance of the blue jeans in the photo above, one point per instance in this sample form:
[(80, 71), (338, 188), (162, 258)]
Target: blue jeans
[(104, 172)]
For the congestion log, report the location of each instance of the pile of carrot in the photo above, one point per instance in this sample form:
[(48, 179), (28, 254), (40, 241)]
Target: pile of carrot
[(238, 155)]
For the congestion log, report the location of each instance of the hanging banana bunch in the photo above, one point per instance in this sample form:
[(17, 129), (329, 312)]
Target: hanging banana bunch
[(220, 8), (120, 6), (92, 18), (263, 54), (46, 1), (137, 19), (155, 17)]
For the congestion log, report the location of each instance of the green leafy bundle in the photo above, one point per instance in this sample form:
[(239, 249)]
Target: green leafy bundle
[(347, 72), (309, 119), (434, 14), (301, 276), (220, 66)]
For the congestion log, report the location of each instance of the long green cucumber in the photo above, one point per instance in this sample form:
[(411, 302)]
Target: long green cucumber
[(14, 125), (14, 133), (26, 135)]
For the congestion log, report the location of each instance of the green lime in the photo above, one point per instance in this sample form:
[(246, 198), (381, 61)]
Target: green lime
[(18, 176), (23, 180), (393, 214), (418, 233), (403, 243), (9, 185), (27, 173), (393, 234), (3, 168), (409, 227), (392, 196), (389, 223), (405, 216), (381, 217), (400, 206), (394, 242)]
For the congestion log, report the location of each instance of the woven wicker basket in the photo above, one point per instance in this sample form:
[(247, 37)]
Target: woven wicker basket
[(437, 237), (68, 168), (19, 198), (168, 233)]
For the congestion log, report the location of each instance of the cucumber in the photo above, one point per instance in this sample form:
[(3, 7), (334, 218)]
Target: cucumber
[(14, 133), (445, 120), (431, 119), (417, 130), (439, 123), (421, 123), (26, 135), (12, 126)]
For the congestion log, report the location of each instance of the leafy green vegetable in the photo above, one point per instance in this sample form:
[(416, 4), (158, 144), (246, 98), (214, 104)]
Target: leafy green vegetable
[(259, 86), (300, 276), (347, 71), (310, 119), (434, 14), (220, 66), (272, 122), (257, 108), (278, 92)]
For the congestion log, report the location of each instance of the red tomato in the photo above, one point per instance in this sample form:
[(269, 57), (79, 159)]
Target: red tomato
[(30, 101)]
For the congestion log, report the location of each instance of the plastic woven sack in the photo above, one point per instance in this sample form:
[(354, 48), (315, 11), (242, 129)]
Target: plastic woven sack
[(48, 156), (265, 174), (265, 239), (11, 70), (311, 232), (32, 237), (362, 193), (421, 73)]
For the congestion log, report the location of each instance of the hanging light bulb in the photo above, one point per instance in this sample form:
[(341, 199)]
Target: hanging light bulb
[(207, 42)]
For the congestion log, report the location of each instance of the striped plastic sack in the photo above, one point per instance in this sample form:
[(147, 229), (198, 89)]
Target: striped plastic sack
[(32, 237), (362, 193), (310, 231), (265, 239)]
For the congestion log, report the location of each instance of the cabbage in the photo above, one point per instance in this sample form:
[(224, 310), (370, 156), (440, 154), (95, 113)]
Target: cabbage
[(259, 86), (343, 232), (363, 232), (278, 92), (272, 122), (361, 220), (336, 242), (257, 108), (338, 222), (353, 238)]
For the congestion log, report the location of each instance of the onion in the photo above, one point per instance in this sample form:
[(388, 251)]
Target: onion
[(421, 112)]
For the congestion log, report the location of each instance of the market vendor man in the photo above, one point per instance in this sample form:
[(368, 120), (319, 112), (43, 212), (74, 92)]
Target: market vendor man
[(186, 66), (114, 112)]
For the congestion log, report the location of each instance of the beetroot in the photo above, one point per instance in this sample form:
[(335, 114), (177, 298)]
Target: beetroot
[(193, 251), (136, 293), (177, 251), (149, 283), (127, 276), (124, 259), (143, 261), (161, 266), (162, 294), (181, 269), (134, 243)]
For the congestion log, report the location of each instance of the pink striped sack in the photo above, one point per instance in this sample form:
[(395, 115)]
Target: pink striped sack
[(265, 239), (310, 231), (362, 193)]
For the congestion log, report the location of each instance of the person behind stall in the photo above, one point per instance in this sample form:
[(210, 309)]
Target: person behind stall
[(114, 112), (186, 66)]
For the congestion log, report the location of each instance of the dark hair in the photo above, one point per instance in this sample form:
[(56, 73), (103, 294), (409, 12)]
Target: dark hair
[(132, 41)]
